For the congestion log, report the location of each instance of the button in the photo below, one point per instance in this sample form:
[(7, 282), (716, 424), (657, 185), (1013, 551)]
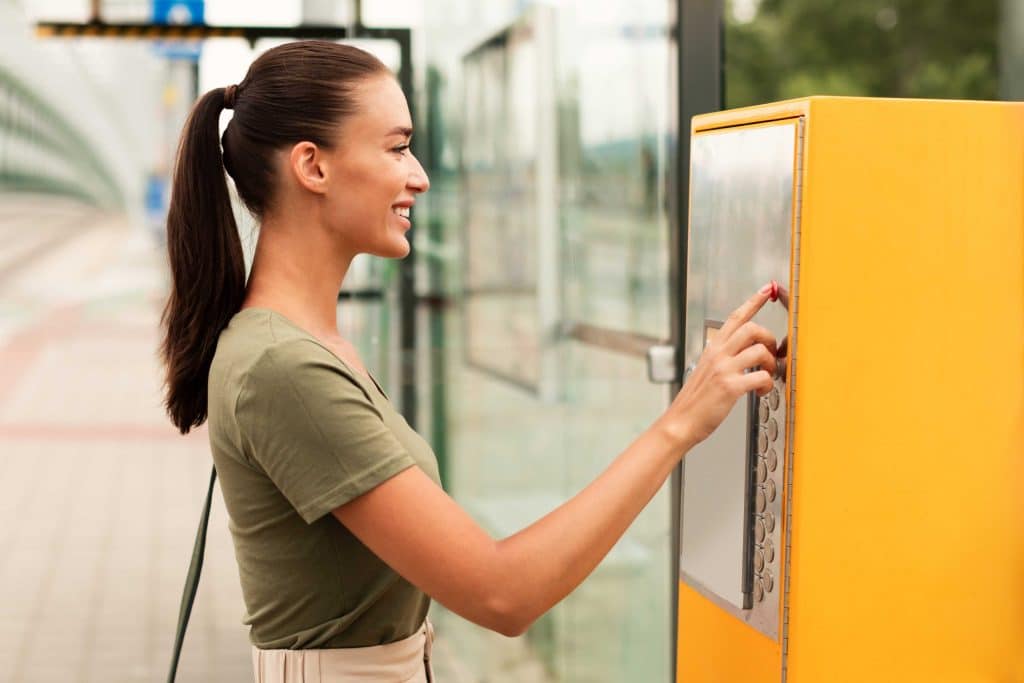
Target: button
[(762, 471), (769, 551), (769, 582), (769, 490), (762, 410), (759, 531), (774, 398), (769, 522), (758, 561), (773, 460), (762, 442), (758, 591), (761, 503), (773, 429)]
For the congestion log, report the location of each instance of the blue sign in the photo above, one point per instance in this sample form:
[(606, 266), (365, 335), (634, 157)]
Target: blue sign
[(186, 51), (179, 12)]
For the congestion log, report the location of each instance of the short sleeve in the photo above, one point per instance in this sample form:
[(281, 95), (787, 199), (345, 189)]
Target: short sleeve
[(311, 427)]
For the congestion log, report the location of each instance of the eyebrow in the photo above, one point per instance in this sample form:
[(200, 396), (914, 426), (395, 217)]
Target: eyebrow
[(401, 130)]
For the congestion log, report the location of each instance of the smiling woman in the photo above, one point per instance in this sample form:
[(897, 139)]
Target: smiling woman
[(340, 525)]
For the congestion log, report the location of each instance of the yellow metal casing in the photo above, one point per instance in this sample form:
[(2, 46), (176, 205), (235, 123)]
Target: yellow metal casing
[(906, 521)]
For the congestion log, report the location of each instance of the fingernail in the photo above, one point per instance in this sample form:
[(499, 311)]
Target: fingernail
[(775, 290)]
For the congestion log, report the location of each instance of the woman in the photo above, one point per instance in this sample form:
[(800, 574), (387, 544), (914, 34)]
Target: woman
[(340, 526)]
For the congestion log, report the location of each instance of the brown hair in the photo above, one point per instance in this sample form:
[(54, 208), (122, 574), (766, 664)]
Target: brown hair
[(296, 92)]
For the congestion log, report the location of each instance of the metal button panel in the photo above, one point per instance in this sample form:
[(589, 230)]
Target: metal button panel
[(770, 442)]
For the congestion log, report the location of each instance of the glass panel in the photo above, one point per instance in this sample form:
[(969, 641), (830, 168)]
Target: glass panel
[(546, 148)]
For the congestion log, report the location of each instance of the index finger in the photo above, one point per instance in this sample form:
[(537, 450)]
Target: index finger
[(745, 312)]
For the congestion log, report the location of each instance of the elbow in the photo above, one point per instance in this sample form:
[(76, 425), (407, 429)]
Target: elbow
[(507, 617)]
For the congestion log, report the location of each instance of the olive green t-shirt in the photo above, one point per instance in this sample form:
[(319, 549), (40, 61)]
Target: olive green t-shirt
[(295, 432)]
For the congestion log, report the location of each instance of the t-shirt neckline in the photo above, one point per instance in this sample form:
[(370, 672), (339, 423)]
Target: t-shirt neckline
[(319, 343)]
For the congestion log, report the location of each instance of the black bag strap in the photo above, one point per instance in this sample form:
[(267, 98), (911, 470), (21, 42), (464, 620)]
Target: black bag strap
[(192, 580)]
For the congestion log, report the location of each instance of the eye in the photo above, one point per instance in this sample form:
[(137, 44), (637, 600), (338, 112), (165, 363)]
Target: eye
[(400, 149)]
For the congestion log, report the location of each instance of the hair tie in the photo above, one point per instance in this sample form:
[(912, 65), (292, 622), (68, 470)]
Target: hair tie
[(230, 93)]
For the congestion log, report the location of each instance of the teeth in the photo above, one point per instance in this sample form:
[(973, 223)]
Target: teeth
[(402, 211)]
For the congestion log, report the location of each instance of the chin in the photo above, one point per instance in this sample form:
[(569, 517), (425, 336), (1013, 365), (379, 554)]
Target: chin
[(395, 250)]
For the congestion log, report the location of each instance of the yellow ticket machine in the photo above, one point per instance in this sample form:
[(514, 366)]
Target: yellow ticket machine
[(865, 521)]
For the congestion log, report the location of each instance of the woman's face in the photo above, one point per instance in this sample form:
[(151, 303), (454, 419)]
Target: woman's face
[(374, 177)]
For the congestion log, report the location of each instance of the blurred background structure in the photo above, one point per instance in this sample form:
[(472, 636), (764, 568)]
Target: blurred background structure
[(542, 269)]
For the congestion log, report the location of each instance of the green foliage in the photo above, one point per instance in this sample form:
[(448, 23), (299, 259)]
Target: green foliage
[(881, 48)]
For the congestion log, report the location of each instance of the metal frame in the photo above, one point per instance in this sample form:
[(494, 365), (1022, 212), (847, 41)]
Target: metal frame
[(698, 36)]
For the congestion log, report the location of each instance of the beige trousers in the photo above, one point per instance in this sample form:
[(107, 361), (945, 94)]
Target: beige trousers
[(405, 661)]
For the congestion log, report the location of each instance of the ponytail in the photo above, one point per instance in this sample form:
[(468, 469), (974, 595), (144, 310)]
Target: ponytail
[(298, 91), (206, 263)]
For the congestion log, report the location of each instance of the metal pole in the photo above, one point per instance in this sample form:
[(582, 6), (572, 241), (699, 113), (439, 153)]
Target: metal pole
[(699, 78), (407, 266)]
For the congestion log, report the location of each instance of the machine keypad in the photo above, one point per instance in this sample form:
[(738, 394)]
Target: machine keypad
[(770, 439)]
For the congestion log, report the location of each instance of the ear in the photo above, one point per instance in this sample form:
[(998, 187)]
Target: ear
[(307, 163)]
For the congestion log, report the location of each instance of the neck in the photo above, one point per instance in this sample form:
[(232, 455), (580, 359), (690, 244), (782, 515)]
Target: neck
[(297, 271)]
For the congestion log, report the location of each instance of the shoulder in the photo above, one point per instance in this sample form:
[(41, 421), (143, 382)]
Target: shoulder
[(265, 346), (298, 361)]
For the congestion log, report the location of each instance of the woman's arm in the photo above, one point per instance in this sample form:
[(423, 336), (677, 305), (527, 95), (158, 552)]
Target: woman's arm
[(419, 531)]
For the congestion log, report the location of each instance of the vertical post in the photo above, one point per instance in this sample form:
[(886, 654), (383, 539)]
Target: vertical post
[(407, 266), (437, 371), (699, 80)]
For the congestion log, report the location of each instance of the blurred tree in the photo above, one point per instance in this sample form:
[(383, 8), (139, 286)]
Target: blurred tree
[(779, 49)]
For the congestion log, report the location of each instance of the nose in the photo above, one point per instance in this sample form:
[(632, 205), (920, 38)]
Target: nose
[(418, 180)]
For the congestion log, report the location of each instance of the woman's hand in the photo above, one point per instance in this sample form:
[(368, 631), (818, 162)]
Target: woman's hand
[(741, 358)]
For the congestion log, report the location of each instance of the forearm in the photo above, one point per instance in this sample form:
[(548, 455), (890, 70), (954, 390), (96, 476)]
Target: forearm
[(546, 561)]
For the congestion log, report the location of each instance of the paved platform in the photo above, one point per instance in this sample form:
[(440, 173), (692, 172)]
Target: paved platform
[(99, 495)]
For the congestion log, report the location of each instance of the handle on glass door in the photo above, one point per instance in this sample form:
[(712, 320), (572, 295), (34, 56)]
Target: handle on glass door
[(663, 364)]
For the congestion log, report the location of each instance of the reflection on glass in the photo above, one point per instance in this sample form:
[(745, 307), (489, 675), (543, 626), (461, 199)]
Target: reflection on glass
[(555, 172), (500, 231), (740, 233)]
